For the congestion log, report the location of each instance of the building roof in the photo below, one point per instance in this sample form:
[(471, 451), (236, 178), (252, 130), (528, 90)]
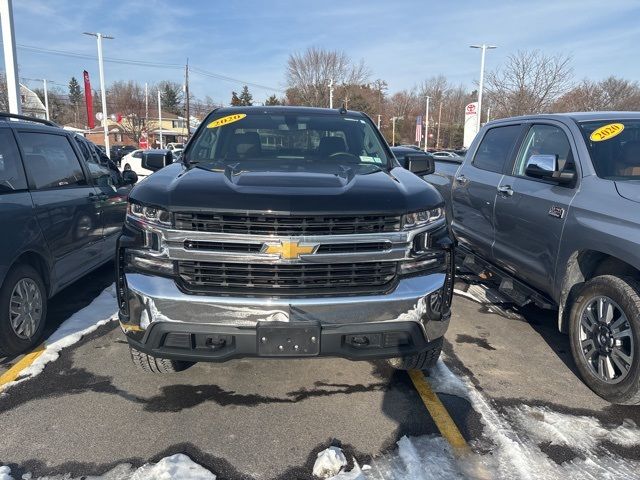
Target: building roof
[(31, 103)]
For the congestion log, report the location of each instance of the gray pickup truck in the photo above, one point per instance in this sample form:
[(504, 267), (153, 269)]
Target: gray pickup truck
[(549, 204)]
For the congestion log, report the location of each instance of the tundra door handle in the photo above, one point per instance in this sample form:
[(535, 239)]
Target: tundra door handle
[(505, 190), (462, 180)]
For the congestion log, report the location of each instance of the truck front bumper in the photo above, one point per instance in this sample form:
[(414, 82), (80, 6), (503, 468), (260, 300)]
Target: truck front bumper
[(161, 320)]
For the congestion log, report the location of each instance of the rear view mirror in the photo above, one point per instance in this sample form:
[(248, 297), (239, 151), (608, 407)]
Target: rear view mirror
[(420, 164), (546, 167), (129, 177), (156, 159)]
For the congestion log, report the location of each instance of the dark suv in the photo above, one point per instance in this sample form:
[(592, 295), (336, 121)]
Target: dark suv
[(62, 209)]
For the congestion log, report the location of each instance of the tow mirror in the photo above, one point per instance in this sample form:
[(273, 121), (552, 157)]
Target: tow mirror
[(420, 164), (156, 159), (546, 167)]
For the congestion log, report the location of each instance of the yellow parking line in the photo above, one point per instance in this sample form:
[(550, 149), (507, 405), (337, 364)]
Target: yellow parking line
[(14, 372), (444, 422)]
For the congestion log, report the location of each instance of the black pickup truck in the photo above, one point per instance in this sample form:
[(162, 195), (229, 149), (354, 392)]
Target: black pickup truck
[(548, 204), (284, 232)]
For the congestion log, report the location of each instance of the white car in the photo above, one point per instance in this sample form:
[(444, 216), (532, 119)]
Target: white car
[(451, 155), (133, 161)]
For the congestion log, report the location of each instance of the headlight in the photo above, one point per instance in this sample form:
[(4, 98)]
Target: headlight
[(141, 260), (421, 218), (150, 214)]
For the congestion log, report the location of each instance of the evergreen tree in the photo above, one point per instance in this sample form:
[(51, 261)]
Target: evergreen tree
[(235, 100), (273, 100), (75, 93), (171, 95), (246, 99)]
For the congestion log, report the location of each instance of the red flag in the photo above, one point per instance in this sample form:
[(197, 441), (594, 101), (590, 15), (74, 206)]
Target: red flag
[(89, 100)]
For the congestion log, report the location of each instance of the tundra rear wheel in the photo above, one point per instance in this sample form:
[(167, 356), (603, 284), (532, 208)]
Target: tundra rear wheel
[(23, 310), (150, 364), (422, 361), (604, 331)]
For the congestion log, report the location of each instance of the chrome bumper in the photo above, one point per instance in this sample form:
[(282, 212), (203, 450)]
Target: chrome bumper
[(154, 299)]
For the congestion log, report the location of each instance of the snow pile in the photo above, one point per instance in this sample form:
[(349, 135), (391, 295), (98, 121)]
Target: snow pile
[(100, 311), (443, 380), (5, 473), (329, 463), (177, 466)]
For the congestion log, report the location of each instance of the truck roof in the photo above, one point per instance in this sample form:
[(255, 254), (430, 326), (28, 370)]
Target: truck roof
[(577, 116), (287, 109)]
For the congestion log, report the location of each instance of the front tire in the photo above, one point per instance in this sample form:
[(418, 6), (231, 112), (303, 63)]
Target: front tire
[(422, 361), (23, 310), (151, 364), (604, 332)]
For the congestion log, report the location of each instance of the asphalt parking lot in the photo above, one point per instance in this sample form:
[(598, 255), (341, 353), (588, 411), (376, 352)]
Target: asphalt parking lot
[(89, 412)]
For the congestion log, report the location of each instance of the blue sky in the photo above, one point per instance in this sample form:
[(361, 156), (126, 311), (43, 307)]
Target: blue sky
[(402, 41)]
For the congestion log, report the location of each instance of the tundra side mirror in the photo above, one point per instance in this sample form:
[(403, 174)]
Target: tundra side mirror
[(420, 164), (156, 159), (546, 167), (129, 177)]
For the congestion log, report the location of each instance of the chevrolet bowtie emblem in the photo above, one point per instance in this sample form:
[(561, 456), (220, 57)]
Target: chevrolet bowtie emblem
[(289, 250)]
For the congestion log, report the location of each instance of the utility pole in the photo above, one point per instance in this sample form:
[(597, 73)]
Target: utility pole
[(488, 114), (438, 131), (379, 121), (105, 126), (160, 117), (10, 60), (46, 97), (186, 92), (393, 129), (484, 49), (146, 104), (426, 125), (331, 93)]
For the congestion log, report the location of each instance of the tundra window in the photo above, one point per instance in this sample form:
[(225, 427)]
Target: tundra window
[(495, 148), (545, 140), (614, 146), (11, 172)]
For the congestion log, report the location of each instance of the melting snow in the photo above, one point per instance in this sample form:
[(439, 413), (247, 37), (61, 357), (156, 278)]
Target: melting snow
[(329, 462)]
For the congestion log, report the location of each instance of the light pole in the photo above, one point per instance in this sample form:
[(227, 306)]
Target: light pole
[(46, 97), (393, 129), (160, 116), (426, 124), (484, 49), (331, 93), (10, 62), (99, 37)]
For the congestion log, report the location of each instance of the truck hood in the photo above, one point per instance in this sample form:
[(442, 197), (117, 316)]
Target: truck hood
[(629, 189), (341, 190)]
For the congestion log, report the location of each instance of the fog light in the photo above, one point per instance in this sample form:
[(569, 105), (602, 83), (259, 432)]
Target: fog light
[(141, 261)]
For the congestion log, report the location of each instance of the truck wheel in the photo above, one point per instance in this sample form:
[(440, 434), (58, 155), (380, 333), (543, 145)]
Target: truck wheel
[(23, 310), (150, 364), (605, 337), (422, 361)]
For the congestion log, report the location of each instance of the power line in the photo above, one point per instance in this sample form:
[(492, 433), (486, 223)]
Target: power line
[(142, 63)]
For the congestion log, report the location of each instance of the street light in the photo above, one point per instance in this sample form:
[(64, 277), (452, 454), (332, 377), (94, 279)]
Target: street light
[(99, 37), (484, 48)]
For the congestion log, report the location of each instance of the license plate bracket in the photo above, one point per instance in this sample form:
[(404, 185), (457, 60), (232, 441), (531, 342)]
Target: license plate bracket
[(288, 339)]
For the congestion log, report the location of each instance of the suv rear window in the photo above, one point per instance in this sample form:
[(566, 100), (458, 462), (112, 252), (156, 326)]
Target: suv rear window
[(614, 146), (495, 148), (11, 172)]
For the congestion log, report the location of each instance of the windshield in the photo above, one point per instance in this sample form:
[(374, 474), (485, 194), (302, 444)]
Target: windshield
[(614, 146), (288, 140)]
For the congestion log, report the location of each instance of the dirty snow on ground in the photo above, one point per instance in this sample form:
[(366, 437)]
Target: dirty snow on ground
[(329, 462), (100, 311)]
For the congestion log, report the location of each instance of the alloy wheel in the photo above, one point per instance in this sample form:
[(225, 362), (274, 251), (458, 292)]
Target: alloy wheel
[(25, 308)]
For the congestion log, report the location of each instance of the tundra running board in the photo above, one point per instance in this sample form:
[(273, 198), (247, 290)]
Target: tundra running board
[(517, 291)]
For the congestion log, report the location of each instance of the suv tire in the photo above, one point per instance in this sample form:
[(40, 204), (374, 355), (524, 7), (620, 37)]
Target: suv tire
[(150, 364), (22, 282), (422, 361), (613, 339)]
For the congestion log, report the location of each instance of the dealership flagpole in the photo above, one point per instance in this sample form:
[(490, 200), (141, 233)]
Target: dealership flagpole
[(103, 93)]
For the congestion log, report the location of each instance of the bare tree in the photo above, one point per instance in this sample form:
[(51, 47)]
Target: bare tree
[(127, 100), (609, 94), (309, 73), (529, 82)]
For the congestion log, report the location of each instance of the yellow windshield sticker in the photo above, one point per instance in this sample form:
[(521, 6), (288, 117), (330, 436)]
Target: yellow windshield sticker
[(606, 132), (221, 122)]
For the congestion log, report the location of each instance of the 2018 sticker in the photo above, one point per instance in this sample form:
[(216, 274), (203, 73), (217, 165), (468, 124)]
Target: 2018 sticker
[(221, 122), (606, 132)]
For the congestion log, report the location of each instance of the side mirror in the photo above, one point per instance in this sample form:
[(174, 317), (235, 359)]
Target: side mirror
[(156, 159), (420, 164), (129, 177), (546, 167)]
